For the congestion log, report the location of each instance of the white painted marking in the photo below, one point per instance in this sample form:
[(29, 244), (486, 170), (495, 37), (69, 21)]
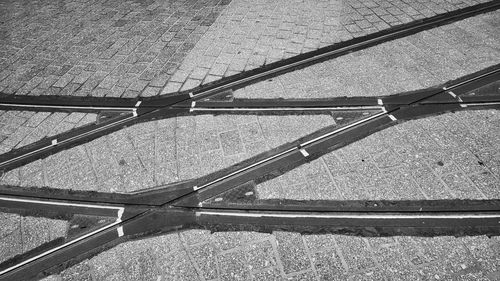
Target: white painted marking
[(380, 102), (120, 213), (291, 149), (191, 95), (54, 141), (218, 199), (463, 105), (249, 193), (460, 99), (343, 128), (120, 231), (63, 204), (134, 112), (452, 94), (392, 117), (339, 118), (193, 103), (304, 152), (195, 188), (138, 103), (349, 216)]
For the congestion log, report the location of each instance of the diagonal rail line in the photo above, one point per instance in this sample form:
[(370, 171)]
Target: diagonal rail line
[(192, 208)]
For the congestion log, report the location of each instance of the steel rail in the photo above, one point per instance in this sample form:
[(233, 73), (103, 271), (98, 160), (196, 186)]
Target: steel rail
[(242, 79), (183, 208), (16, 158), (150, 109), (343, 48)]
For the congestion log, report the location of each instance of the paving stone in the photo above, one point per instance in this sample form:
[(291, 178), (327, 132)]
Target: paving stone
[(231, 142), (486, 251), (328, 265), (92, 48), (460, 185), (177, 266), (105, 264), (292, 252), (268, 274), (206, 259), (11, 245), (233, 266), (302, 276), (355, 252), (36, 231), (385, 69), (394, 263), (81, 271), (486, 183), (260, 255)]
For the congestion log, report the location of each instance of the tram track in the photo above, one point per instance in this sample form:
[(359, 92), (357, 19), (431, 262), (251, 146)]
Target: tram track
[(209, 202), (124, 112)]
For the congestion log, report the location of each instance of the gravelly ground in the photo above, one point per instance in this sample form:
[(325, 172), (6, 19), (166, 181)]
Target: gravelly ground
[(449, 156)]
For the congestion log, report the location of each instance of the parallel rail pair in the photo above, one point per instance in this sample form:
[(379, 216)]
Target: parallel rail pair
[(226, 199)]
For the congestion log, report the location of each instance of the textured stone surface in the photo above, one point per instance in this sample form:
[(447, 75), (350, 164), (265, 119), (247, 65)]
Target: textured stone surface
[(454, 155), (99, 48), (248, 35)]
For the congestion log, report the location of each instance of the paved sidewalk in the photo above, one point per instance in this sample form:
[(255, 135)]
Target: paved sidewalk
[(456, 155)]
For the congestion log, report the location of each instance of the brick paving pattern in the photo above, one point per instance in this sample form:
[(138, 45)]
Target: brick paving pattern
[(448, 156), (99, 48), (248, 35), (422, 60), (199, 255), (127, 49)]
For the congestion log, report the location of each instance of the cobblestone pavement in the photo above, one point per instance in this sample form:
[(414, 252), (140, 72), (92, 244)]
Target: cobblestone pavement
[(250, 34), (131, 48), (100, 48), (448, 156)]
